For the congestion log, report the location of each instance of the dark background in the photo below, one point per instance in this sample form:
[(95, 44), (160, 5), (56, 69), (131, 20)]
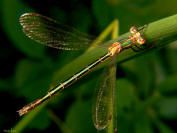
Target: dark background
[(147, 87)]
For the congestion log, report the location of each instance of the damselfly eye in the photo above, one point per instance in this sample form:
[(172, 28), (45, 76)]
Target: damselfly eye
[(133, 30)]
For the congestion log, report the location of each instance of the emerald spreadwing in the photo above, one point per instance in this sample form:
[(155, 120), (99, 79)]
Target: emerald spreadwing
[(51, 33)]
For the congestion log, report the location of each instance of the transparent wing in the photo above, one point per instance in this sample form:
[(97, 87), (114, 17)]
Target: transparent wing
[(53, 34), (104, 103)]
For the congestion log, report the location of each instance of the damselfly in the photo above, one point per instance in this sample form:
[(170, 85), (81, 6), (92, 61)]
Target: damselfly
[(49, 32)]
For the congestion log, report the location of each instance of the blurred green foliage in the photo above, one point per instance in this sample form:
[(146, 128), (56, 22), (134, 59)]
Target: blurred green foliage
[(147, 87)]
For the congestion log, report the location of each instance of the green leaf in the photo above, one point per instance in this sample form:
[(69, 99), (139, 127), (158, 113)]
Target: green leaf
[(84, 19), (41, 121), (169, 85), (126, 94), (125, 123), (140, 72), (79, 118), (143, 124), (167, 107), (102, 12), (135, 12), (32, 78), (171, 57)]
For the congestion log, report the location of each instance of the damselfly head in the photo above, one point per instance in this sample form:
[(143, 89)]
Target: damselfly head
[(133, 30)]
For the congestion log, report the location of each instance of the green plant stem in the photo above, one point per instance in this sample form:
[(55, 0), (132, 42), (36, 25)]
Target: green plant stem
[(112, 126), (61, 125), (157, 35)]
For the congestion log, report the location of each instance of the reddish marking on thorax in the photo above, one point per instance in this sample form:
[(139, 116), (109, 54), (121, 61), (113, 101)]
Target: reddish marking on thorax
[(115, 48)]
